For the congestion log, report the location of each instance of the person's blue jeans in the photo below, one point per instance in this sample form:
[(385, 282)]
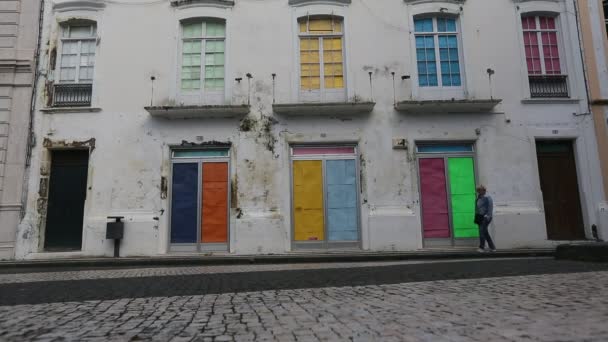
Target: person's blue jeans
[(484, 235)]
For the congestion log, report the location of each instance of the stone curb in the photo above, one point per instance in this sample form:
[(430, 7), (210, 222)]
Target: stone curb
[(271, 259), (589, 251)]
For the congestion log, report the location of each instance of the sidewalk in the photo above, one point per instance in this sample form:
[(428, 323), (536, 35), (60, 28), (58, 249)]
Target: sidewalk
[(288, 258)]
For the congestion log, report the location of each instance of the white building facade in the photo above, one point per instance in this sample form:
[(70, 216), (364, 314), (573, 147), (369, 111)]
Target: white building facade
[(253, 127), (18, 40)]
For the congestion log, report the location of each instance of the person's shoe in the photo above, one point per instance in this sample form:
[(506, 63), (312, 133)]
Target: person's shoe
[(493, 250), (481, 250)]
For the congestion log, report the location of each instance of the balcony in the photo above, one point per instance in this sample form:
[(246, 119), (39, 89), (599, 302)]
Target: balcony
[(198, 111), (336, 109), (72, 95), (548, 86), (466, 106)]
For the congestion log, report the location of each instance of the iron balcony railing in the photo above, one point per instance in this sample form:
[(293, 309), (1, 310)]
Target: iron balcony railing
[(72, 94), (548, 86)]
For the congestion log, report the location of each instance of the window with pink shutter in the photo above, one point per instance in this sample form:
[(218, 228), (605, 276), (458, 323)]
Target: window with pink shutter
[(540, 44), (542, 57)]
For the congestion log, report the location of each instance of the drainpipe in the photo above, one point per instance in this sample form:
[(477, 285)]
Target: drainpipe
[(582, 53), (30, 134)]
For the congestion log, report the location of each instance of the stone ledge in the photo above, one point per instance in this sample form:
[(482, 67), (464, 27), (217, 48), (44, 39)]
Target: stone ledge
[(415, 2), (586, 251), (448, 106), (52, 110), (198, 112), (324, 109), (188, 3), (81, 259), (306, 2), (601, 102), (550, 101)]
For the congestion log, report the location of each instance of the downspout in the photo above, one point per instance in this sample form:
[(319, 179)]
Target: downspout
[(30, 136), (582, 52)]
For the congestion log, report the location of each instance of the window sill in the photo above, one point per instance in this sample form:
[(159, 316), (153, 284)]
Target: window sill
[(192, 3), (308, 2), (601, 102), (416, 2), (550, 100), (324, 108), (198, 112), (447, 106), (52, 110)]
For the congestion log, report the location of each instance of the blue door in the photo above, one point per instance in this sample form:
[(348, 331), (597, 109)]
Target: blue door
[(342, 222), (184, 203)]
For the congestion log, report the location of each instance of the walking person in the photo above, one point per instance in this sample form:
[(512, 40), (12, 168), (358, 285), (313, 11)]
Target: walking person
[(483, 217)]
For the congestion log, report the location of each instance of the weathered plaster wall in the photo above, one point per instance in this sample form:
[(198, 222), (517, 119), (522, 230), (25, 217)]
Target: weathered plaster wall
[(131, 154)]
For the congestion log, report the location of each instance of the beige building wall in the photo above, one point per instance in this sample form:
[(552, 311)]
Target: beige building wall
[(595, 50), (18, 38)]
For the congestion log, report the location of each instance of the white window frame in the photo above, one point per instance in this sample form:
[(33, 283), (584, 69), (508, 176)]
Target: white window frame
[(567, 46), (436, 35), (438, 92), (322, 94), (201, 96), (93, 38)]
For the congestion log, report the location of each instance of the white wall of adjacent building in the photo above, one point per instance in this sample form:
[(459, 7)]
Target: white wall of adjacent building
[(18, 36), (131, 155)]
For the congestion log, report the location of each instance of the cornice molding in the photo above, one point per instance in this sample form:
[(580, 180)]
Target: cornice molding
[(76, 5)]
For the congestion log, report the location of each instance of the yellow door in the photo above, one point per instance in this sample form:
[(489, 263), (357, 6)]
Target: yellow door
[(308, 200)]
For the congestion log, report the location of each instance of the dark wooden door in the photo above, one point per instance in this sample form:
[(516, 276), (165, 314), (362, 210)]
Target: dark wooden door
[(67, 194), (559, 184)]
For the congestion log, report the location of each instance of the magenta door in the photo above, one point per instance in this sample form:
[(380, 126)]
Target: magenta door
[(435, 216)]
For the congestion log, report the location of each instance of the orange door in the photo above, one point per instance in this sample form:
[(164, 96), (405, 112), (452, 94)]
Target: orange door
[(214, 223)]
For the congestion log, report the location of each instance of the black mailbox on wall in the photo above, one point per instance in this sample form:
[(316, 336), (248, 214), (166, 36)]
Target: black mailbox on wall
[(115, 231)]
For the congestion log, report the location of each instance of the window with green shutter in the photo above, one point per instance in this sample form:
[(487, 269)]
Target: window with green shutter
[(203, 56)]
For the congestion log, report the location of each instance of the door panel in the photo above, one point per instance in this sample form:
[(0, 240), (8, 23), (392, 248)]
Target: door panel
[(559, 185), (308, 200), (184, 203), (214, 225), (433, 195), (341, 200), (462, 192), (67, 195)]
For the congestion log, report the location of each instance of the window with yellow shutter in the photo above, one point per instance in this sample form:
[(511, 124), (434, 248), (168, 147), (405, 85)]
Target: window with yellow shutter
[(321, 54)]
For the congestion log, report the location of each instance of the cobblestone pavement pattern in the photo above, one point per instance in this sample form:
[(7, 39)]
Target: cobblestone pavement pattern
[(559, 307)]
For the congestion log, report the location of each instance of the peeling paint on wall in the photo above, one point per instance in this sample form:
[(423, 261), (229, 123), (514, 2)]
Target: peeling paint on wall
[(210, 143), (90, 143)]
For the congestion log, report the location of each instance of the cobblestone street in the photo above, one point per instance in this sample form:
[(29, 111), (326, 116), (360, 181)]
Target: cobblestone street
[(537, 305)]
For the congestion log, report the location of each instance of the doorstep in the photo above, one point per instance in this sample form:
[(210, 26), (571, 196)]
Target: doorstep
[(291, 257)]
